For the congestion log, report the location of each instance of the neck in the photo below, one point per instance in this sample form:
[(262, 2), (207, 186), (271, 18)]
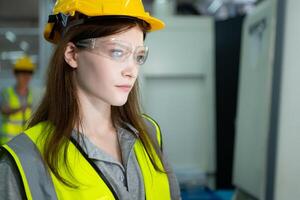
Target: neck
[(96, 116), (97, 124)]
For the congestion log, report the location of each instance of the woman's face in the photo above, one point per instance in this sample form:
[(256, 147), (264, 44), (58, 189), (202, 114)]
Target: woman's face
[(100, 75)]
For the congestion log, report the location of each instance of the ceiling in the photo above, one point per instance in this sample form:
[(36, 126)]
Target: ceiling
[(19, 13)]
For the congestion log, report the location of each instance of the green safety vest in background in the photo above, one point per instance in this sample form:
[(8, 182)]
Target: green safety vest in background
[(15, 123), (40, 183)]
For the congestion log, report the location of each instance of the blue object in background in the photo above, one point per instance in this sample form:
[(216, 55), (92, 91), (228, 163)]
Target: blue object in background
[(204, 193), (225, 194)]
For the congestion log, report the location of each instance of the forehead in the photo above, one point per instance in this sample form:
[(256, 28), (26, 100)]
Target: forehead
[(133, 36)]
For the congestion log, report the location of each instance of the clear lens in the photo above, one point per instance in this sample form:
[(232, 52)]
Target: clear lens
[(115, 50), (141, 54)]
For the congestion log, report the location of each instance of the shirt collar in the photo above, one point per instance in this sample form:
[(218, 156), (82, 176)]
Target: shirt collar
[(126, 131), (130, 128)]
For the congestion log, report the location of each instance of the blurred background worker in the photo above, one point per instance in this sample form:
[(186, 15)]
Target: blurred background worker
[(16, 100)]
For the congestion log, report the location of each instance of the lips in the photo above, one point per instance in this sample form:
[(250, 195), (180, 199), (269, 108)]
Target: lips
[(124, 88)]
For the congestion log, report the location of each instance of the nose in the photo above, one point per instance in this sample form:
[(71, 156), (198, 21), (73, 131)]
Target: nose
[(131, 69)]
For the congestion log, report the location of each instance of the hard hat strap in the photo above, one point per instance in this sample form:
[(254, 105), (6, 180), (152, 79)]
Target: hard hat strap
[(60, 18), (60, 21)]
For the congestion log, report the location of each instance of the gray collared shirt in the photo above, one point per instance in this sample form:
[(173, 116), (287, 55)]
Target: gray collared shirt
[(125, 178)]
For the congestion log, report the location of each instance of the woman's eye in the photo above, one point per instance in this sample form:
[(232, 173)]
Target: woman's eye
[(140, 58), (116, 53)]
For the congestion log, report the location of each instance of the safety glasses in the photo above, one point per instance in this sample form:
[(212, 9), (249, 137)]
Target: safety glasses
[(114, 49)]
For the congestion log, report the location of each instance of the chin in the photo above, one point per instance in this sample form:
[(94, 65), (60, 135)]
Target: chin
[(119, 102)]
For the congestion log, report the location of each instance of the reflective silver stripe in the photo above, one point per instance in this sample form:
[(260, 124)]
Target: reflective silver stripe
[(15, 122), (38, 178)]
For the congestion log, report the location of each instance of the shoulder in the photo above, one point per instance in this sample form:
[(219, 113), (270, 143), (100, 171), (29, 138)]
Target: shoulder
[(22, 147), (11, 184), (7, 163), (19, 143), (38, 131), (4, 92), (153, 128), (150, 123), (4, 157)]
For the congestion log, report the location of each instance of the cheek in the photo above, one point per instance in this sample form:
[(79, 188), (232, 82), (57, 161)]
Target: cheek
[(88, 68), (94, 71)]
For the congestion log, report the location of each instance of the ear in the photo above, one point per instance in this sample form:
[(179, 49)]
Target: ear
[(71, 55)]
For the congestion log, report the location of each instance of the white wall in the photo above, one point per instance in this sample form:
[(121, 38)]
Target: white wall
[(287, 184), (178, 91)]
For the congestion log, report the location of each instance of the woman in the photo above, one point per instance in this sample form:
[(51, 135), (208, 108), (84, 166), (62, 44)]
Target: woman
[(88, 139)]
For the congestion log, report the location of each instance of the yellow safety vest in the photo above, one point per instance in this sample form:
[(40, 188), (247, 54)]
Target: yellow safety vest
[(15, 123), (92, 184)]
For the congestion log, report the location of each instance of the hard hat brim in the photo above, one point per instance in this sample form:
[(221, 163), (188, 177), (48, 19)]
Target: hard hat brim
[(155, 24), (24, 71)]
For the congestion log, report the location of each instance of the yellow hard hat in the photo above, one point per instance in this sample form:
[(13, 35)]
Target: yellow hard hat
[(24, 63), (93, 8)]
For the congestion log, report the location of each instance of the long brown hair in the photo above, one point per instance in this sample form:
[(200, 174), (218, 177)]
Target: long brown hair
[(60, 104)]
